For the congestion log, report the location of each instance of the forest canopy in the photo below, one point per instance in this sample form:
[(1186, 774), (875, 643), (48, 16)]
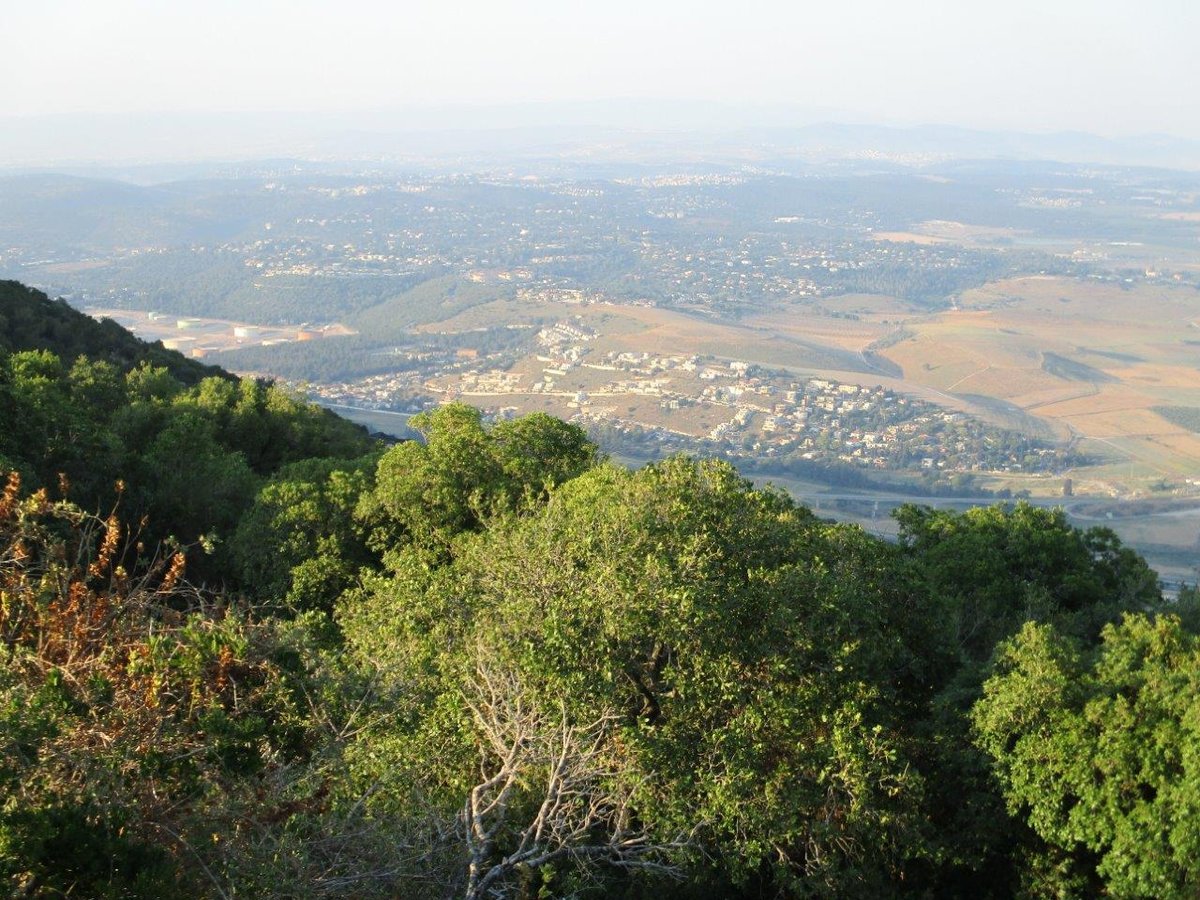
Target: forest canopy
[(248, 651)]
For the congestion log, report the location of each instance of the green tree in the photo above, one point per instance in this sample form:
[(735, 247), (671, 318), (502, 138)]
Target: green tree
[(298, 547), (985, 573), (996, 567), (194, 484), (58, 425), (463, 473), (1099, 751), (737, 638)]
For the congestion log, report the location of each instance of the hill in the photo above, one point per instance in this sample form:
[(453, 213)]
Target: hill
[(30, 320), (112, 421)]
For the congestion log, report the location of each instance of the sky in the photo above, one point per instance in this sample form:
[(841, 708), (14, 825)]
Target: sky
[(1110, 68)]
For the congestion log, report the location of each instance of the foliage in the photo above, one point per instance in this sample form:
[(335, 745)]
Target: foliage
[(124, 704), (463, 474), (1100, 751), (193, 456), (736, 636), (299, 545), (987, 571), (996, 567)]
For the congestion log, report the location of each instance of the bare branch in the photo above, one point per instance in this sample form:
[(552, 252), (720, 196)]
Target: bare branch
[(566, 777)]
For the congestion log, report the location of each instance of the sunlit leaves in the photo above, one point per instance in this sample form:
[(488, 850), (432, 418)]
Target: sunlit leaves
[(1100, 751)]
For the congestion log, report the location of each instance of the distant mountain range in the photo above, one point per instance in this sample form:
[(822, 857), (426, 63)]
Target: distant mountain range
[(472, 137)]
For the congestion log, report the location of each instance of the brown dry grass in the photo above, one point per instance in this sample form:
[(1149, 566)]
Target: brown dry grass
[(995, 344)]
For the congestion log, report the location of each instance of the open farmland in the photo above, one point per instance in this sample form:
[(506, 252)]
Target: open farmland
[(940, 231), (1090, 359)]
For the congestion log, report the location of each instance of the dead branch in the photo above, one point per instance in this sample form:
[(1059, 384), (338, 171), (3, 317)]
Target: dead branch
[(572, 803)]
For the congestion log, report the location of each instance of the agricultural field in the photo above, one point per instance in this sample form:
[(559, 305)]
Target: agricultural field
[(1091, 360), (940, 231)]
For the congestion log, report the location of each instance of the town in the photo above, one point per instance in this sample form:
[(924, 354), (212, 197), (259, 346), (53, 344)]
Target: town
[(708, 406)]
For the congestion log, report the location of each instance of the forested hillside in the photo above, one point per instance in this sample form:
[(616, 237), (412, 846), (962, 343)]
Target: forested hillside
[(29, 320), (248, 652)]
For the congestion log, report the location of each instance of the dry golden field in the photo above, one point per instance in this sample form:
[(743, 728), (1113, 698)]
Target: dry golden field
[(941, 231), (1091, 358)]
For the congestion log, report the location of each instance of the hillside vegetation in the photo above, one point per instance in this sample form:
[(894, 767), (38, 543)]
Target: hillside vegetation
[(29, 320), (249, 652)]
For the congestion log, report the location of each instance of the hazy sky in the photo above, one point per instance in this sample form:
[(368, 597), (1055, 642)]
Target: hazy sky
[(1095, 65)]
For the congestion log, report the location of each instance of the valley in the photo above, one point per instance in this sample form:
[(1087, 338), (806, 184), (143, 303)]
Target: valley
[(984, 331)]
